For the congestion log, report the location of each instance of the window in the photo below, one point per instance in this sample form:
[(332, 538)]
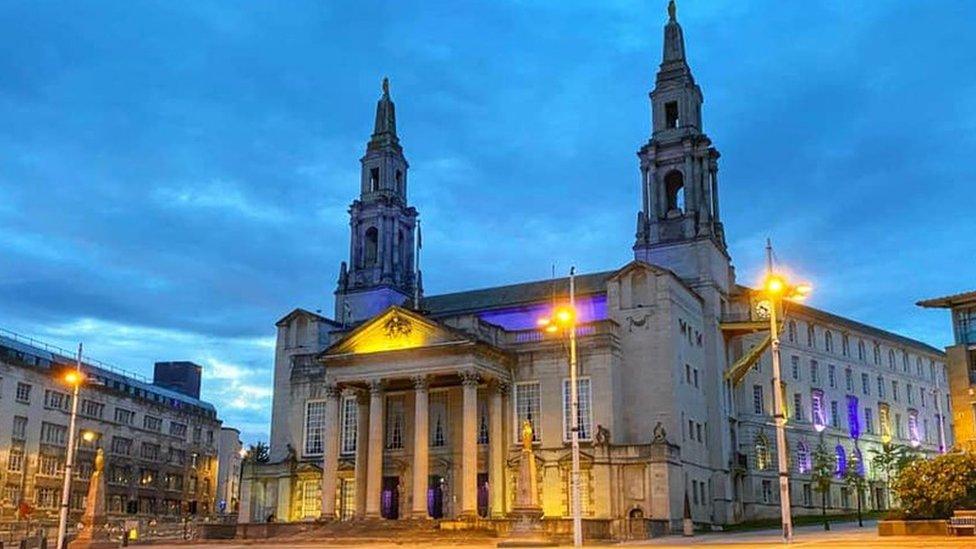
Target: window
[(314, 425), (123, 416), (845, 497), (834, 414), (51, 466), (868, 421), (798, 406), (47, 498), (791, 331), (841, 460), (894, 390), (849, 379), (527, 400), (149, 451), (762, 453), (694, 491), (877, 354), (15, 459), (92, 409), (757, 400), (807, 495), (918, 366), (177, 429), (695, 375), (438, 412), (921, 396), (56, 400), (795, 365), (698, 432), (197, 435), (20, 428), (23, 393), (884, 419), (891, 359), (394, 423), (811, 336), (767, 491), (11, 493), (583, 416), (688, 374), (913, 434), (152, 423), (121, 446), (865, 384), (828, 341), (483, 434), (675, 188), (803, 465), (177, 456), (910, 393), (845, 344), (56, 435), (881, 391), (814, 372), (832, 375), (853, 421), (374, 179), (904, 361), (311, 499), (817, 415), (372, 240), (671, 115), (350, 419), (860, 350)]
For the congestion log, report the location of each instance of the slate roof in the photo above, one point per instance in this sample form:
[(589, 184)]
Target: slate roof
[(514, 294), (949, 301)]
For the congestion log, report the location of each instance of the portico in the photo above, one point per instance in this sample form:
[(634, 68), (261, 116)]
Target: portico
[(432, 443)]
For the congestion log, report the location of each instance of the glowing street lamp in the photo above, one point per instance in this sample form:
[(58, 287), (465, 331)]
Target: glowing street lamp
[(777, 288), (73, 378), (564, 318)]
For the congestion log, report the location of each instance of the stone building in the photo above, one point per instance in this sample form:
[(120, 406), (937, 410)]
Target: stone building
[(407, 405), (230, 457), (161, 447), (961, 361)]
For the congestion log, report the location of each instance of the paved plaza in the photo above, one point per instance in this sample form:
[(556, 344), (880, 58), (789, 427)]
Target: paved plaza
[(842, 536)]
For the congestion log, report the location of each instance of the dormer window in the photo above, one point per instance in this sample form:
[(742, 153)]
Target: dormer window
[(671, 115)]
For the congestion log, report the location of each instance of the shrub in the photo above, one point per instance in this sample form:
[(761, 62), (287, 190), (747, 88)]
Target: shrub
[(933, 489)]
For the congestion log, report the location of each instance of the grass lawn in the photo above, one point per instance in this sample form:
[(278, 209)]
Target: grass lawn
[(804, 520)]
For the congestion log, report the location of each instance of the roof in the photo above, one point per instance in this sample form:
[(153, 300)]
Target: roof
[(949, 301), (304, 312), (514, 294)]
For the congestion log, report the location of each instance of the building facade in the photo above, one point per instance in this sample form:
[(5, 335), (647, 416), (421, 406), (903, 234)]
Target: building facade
[(230, 457), (161, 447), (406, 405), (961, 363)]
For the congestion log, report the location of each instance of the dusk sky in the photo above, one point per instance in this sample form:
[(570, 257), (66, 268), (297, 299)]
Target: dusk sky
[(174, 177)]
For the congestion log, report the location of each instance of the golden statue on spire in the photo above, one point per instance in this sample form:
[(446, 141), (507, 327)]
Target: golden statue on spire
[(672, 10), (386, 84)]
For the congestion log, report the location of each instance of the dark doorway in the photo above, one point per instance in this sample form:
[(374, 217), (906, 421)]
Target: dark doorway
[(390, 498), (435, 496), (483, 494)]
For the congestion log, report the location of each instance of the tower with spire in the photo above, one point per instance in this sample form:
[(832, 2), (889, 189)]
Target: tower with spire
[(381, 268), (678, 165)]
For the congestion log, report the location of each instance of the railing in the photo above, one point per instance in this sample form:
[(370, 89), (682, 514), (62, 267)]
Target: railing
[(598, 327), (70, 355)]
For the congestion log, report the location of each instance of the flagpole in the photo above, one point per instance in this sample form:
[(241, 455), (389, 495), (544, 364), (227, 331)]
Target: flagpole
[(416, 278)]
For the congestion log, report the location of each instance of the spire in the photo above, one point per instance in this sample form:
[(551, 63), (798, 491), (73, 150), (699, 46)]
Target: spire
[(384, 130), (672, 10), (674, 39)]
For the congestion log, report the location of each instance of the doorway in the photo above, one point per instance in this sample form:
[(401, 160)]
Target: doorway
[(390, 498), (435, 496), (482, 495)]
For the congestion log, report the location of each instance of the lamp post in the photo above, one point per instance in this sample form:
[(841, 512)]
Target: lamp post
[(776, 289), (75, 379), (565, 318)]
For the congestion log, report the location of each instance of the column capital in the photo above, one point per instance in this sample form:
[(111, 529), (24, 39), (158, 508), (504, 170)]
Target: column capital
[(501, 386), (376, 386), (469, 378), (420, 382), (330, 390)]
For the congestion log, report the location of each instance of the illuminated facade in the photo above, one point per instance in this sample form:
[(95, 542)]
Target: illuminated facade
[(405, 405)]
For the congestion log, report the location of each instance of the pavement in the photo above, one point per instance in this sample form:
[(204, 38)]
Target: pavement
[(841, 536)]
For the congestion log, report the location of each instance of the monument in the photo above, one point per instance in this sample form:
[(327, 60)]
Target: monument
[(527, 513), (94, 533)]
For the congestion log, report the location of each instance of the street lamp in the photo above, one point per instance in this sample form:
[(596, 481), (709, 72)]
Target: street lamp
[(777, 288), (73, 378), (564, 318)]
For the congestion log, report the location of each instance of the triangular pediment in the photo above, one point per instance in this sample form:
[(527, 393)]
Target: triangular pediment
[(395, 329)]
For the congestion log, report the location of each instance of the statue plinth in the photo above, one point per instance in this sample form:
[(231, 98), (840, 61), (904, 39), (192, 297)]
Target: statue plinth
[(94, 534), (526, 513)]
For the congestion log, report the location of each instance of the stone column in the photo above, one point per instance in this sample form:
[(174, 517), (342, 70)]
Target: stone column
[(374, 467), (362, 451), (469, 445), (496, 450), (244, 502), (330, 452), (421, 448)]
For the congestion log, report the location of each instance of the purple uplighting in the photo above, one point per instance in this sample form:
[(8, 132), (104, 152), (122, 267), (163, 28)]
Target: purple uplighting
[(589, 308), (853, 420)]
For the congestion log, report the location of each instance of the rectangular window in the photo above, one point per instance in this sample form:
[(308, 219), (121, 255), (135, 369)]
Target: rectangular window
[(795, 364), (694, 491), (881, 391), (47, 498), (583, 415), (767, 491), (314, 425), (20, 428), (814, 372), (834, 414), (849, 379), (865, 384), (92, 409), (51, 466), (807, 495), (817, 415), (438, 419), (56, 400), (757, 400), (527, 407), (121, 446), (53, 434), (152, 423), (868, 421), (894, 390), (797, 406), (15, 459), (149, 451), (23, 393), (123, 416), (898, 430), (177, 429), (394, 423), (910, 393), (350, 418), (884, 420), (671, 115), (832, 375), (695, 375)]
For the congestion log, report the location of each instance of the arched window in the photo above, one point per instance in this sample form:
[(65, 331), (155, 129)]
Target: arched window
[(829, 341), (762, 453), (891, 359), (841, 460), (860, 350), (369, 251), (803, 465), (674, 186), (791, 331), (811, 335)]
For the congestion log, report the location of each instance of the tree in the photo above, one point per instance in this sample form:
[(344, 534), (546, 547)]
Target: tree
[(933, 489), (890, 460), (854, 479), (259, 453), (821, 475)]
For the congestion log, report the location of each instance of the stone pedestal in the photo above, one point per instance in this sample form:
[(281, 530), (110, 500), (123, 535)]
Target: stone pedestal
[(527, 513), (94, 534)]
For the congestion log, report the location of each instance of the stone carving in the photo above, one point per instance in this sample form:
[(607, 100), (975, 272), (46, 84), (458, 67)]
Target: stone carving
[(397, 326), (660, 435), (602, 436), (638, 322)]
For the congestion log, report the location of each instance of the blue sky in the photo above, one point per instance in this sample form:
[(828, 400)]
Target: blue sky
[(174, 177)]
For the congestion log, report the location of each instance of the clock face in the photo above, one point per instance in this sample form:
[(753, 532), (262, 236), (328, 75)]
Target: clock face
[(763, 309)]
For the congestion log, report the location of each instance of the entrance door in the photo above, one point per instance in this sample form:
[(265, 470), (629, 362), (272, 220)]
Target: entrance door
[(390, 498), (435, 496), (483, 494)]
